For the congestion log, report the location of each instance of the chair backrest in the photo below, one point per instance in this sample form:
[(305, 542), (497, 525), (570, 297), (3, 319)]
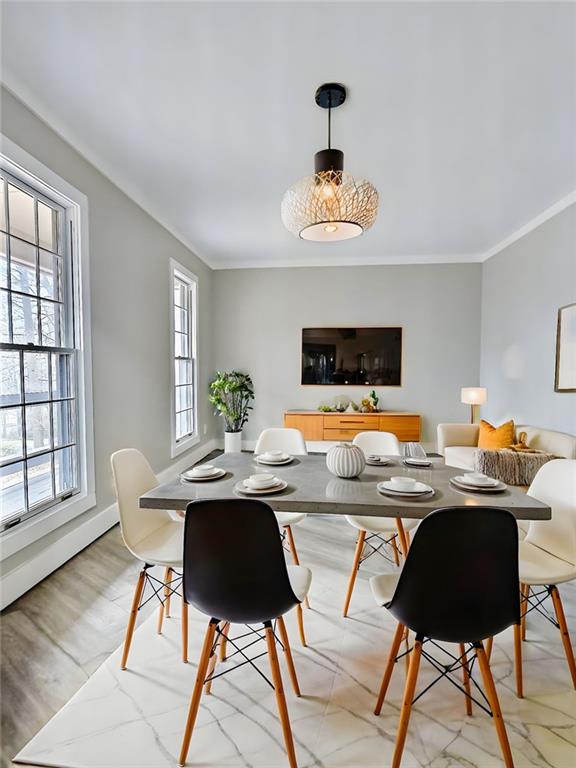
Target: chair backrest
[(284, 439), (133, 476), (555, 485), (378, 443), (460, 580), (234, 567)]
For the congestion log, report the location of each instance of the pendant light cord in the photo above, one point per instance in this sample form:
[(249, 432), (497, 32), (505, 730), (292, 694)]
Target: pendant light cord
[(329, 121)]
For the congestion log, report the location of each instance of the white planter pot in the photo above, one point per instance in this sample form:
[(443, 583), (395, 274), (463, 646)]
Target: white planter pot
[(345, 460), (232, 442)]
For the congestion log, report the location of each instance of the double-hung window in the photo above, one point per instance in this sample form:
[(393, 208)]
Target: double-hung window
[(184, 366), (43, 438)]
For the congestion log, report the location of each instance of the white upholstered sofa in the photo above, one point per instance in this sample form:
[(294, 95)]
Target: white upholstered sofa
[(458, 442)]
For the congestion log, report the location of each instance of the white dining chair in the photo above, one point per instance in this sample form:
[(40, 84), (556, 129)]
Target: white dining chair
[(152, 536), (290, 441), (548, 553), (383, 531)]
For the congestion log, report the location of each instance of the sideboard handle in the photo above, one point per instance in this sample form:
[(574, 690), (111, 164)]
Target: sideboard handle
[(350, 421)]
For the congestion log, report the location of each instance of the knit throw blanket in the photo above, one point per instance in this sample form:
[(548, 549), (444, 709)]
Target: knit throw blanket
[(511, 467)]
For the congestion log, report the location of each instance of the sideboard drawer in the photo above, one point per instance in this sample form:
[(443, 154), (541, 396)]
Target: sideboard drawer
[(404, 427), (341, 434), (350, 421)]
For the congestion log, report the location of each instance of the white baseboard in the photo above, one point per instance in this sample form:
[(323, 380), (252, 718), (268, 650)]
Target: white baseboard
[(27, 574)]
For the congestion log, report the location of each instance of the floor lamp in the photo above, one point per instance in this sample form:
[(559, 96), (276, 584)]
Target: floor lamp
[(474, 397)]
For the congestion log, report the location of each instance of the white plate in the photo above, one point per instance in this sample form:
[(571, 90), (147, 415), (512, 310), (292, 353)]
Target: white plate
[(420, 489), (417, 462), (198, 479), (260, 460), (478, 488), (378, 463), (488, 482), (241, 488)]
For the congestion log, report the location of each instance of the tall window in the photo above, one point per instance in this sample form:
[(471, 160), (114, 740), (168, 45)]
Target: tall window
[(38, 395), (184, 426)]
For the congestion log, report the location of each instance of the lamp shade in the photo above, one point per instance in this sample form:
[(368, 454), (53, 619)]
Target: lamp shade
[(473, 395)]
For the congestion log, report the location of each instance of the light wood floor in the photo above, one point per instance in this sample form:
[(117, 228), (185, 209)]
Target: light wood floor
[(57, 634)]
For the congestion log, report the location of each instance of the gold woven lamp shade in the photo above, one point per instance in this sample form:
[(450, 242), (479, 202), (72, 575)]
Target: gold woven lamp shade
[(331, 204)]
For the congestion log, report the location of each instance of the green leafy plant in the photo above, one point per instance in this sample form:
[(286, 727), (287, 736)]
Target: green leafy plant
[(374, 397), (325, 408), (231, 394)]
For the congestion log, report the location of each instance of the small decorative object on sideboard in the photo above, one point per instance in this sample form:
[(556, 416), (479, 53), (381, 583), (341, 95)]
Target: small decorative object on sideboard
[(231, 395), (565, 378), (345, 460)]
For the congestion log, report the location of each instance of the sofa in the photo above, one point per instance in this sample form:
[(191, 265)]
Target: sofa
[(458, 443)]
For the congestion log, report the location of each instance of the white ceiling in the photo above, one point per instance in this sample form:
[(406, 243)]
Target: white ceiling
[(462, 115)]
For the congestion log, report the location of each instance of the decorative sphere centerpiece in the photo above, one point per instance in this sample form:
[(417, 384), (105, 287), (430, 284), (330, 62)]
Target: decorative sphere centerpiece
[(345, 460)]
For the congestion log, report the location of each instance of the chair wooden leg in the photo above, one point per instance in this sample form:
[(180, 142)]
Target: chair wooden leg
[(407, 702), (224, 641), (524, 605), (354, 571), (466, 677), (492, 696), (489, 644), (407, 644), (197, 692), (288, 655), (395, 551), (160, 619), (300, 618), (518, 660), (561, 618), (210, 671), (280, 698), (402, 537), (184, 631), (168, 576), (133, 615), (392, 653), (294, 552)]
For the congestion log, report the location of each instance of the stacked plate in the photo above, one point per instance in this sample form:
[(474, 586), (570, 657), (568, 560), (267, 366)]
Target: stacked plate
[(377, 461), (412, 462), (477, 482), (202, 472), (274, 457), (405, 488), (258, 485)]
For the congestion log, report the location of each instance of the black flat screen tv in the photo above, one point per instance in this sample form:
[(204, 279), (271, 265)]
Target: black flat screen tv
[(352, 356)]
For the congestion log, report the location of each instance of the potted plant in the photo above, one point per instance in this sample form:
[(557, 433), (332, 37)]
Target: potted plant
[(231, 395)]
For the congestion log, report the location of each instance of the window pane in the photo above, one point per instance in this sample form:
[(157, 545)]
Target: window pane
[(3, 262), (63, 426), (183, 372), (21, 213), (183, 424), (4, 324), (24, 320), (47, 227), (50, 275), (23, 267), (2, 204), (12, 489), (181, 345), (181, 320), (65, 469), (37, 428), (10, 392), (11, 433), (183, 397), (50, 319), (61, 376), (36, 377), (39, 479), (180, 294)]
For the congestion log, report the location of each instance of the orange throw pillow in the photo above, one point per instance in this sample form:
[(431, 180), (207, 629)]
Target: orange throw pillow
[(494, 438)]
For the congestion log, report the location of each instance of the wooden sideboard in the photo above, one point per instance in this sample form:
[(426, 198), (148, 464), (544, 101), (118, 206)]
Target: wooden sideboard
[(316, 425)]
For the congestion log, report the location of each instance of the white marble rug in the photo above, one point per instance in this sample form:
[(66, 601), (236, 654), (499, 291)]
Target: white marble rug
[(135, 719)]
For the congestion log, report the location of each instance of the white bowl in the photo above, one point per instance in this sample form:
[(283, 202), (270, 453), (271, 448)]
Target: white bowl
[(202, 470), (261, 480), (477, 478), (402, 483), (274, 455)]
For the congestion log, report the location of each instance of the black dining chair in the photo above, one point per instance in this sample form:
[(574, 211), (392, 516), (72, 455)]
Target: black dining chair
[(235, 572), (459, 585)]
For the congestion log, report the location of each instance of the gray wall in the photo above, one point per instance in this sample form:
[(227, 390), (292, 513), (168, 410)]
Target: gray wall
[(523, 287), (129, 281), (260, 314)]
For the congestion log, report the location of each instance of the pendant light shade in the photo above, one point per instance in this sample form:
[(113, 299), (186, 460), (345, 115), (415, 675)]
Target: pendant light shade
[(331, 204)]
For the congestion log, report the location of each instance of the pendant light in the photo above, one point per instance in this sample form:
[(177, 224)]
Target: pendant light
[(330, 205)]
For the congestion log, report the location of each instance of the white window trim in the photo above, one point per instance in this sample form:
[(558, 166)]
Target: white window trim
[(23, 165), (180, 446)]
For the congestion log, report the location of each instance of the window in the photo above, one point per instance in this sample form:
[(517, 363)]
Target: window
[(44, 446), (184, 426)]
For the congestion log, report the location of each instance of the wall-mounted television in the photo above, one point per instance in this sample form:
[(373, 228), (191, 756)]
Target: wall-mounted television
[(352, 356)]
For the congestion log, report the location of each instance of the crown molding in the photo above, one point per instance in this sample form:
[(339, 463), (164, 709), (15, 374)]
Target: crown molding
[(301, 262)]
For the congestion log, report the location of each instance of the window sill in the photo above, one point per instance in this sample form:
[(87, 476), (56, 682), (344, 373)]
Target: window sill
[(184, 445)]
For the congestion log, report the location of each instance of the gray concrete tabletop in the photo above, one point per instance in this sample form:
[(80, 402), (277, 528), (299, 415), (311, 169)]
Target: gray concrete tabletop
[(313, 489)]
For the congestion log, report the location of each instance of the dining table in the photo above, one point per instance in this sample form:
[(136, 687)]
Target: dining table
[(313, 489)]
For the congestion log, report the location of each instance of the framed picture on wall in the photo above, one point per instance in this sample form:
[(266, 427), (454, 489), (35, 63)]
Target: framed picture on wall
[(565, 380)]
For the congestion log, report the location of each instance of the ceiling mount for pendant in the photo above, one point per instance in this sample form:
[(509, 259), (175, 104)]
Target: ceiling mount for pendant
[(330, 205)]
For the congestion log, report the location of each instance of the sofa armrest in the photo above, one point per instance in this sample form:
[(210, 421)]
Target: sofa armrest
[(457, 434)]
